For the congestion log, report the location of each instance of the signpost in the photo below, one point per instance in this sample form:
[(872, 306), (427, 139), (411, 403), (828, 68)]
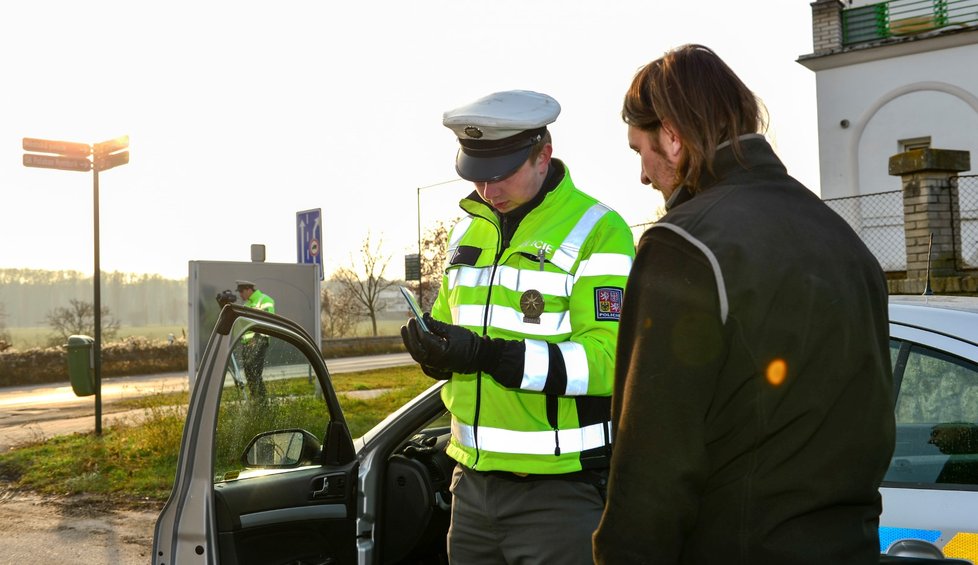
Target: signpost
[(57, 162), (309, 238), (68, 148), (72, 156), (109, 161)]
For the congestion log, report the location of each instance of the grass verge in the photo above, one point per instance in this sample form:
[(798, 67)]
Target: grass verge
[(136, 461)]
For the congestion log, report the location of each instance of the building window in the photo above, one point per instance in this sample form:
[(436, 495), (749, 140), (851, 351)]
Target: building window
[(915, 143)]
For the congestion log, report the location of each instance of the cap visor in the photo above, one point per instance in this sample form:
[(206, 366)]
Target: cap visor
[(489, 169)]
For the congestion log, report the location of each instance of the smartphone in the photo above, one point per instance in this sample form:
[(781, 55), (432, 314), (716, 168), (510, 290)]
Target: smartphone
[(415, 307)]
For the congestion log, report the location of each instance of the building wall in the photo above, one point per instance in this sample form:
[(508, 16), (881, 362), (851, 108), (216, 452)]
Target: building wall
[(924, 94)]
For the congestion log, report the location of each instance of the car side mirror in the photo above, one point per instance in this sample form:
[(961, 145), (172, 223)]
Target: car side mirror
[(282, 449)]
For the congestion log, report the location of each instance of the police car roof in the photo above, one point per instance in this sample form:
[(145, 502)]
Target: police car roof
[(952, 315)]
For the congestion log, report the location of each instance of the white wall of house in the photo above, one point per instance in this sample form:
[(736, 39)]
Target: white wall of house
[(887, 94)]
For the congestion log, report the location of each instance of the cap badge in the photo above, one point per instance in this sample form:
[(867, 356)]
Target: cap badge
[(473, 132)]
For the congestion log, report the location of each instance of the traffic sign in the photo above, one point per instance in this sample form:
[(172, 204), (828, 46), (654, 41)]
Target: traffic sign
[(309, 238), (106, 162), (412, 267), (67, 148), (57, 162), (111, 146)]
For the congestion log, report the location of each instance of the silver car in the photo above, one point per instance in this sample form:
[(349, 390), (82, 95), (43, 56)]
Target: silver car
[(280, 479)]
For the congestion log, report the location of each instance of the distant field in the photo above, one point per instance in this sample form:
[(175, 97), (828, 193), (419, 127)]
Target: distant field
[(25, 338)]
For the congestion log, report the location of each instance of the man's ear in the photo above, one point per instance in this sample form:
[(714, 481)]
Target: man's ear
[(543, 160), (672, 142)]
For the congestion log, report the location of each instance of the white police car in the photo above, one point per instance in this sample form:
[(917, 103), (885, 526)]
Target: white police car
[(280, 480), (930, 491)]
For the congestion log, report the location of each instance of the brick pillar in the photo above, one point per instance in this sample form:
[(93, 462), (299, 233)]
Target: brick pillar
[(826, 26), (930, 206)]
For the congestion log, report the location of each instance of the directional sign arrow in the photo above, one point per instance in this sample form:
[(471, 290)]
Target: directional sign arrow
[(58, 162), (68, 148)]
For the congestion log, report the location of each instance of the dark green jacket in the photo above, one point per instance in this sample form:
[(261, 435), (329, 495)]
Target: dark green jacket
[(753, 408)]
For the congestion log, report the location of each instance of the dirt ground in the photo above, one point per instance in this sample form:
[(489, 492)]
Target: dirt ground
[(48, 529)]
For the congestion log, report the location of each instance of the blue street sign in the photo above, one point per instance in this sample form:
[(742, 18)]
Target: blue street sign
[(309, 238)]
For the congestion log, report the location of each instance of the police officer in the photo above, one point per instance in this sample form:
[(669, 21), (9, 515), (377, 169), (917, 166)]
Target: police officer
[(255, 298), (524, 330), (255, 345)]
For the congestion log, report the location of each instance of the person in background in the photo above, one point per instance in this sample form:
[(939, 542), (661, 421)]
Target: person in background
[(255, 345), (524, 330), (753, 408)]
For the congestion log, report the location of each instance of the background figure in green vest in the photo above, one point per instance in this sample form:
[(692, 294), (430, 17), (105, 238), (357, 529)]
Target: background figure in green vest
[(524, 329), (255, 345)]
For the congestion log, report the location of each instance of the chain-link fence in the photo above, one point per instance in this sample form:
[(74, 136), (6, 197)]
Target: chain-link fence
[(878, 219), (968, 229)]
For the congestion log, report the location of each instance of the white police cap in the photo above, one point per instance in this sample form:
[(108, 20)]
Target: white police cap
[(497, 131)]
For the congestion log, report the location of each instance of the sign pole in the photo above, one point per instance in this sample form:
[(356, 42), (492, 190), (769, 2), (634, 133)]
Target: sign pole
[(73, 156), (420, 273), (97, 282)]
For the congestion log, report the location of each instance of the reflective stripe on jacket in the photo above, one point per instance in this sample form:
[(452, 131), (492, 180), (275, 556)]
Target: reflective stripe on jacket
[(576, 253), (261, 301)]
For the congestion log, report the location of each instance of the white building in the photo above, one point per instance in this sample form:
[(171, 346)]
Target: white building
[(892, 77)]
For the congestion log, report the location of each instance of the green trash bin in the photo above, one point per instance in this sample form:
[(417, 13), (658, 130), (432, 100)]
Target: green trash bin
[(81, 365)]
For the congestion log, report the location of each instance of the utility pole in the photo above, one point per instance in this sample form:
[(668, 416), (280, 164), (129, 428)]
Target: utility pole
[(420, 256)]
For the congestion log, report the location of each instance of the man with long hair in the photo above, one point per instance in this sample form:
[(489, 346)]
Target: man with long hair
[(752, 411)]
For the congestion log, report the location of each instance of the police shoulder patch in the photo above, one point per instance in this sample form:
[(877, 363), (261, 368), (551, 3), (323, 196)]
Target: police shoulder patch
[(465, 255), (607, 303)]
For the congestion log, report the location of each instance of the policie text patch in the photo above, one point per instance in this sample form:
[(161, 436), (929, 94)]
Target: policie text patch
[(607, 303)]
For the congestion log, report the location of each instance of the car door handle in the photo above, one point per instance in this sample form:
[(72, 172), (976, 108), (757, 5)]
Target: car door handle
[(322, 490), (329, 486)]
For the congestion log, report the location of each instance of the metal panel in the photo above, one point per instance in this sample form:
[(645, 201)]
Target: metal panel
[(295, 289)]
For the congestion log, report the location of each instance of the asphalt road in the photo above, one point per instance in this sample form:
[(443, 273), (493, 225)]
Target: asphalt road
[(37, 412)]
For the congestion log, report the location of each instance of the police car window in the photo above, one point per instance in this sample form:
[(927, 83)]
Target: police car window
[(269, 385), (937, 420)]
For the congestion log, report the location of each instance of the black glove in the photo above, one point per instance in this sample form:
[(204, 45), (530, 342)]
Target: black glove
[(435, 373), (446, 347), (420, 446)]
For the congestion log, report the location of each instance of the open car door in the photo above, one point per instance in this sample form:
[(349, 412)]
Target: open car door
[(267, 471)]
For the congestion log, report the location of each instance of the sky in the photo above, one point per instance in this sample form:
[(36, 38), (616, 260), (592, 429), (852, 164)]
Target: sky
[(241, 114)]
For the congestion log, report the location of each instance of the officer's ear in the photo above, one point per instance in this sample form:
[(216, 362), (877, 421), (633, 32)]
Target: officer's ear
[(542, 164)]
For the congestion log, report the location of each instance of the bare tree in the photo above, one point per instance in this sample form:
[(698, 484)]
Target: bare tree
[(340, 312), (79, 318), (434, 247), (366, 290)]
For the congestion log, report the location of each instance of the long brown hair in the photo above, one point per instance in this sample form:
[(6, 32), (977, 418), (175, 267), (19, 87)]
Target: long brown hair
[(704, 102)]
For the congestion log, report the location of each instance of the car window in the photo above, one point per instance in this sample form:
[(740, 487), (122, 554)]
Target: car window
[(269, 385), (936, 417)]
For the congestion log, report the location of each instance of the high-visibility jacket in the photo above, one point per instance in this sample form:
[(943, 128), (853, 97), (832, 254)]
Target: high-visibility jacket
[(574, 253), (261, 301)]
